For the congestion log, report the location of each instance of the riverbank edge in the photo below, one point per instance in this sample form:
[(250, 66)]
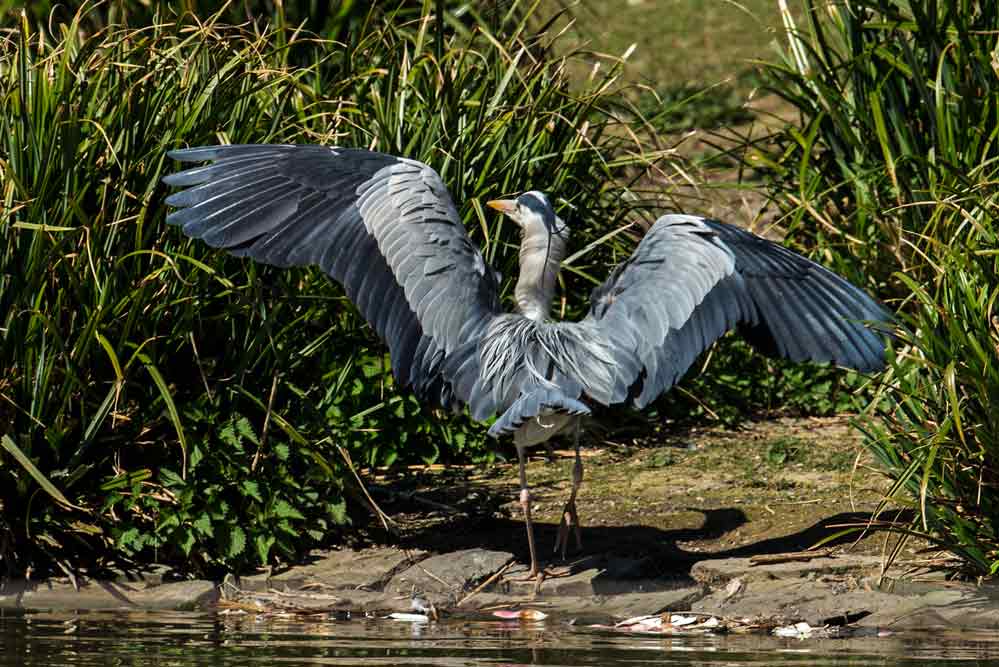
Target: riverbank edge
[(834, 589)]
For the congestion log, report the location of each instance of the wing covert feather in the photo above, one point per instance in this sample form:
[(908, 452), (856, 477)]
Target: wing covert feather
[(691, 279), (383, 227)]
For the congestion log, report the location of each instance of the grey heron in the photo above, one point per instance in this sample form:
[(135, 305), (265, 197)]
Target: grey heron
[(387, 230)]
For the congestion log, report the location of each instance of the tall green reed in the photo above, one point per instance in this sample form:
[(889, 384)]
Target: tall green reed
[(198, 408), (896, 109), (891, 169), (936, 429)]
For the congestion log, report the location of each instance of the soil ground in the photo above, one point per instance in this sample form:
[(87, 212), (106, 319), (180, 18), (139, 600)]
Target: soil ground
[(676, 526), (769, 487)]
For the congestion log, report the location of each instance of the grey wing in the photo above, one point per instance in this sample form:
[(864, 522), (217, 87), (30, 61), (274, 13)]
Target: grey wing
[(802, 310), (383, 227), (691, 280)]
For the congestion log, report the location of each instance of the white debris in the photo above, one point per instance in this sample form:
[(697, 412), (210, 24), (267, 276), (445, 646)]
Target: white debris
[(798, 630), (635, 620), (733, 588), (521, 614), (412, 618), (678, 620)]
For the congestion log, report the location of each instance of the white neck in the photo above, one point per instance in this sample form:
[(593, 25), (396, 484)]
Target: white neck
[(541, 256)]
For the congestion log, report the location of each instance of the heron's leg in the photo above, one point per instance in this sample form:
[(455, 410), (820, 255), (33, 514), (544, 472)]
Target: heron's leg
[(569, 515), (525, 504)]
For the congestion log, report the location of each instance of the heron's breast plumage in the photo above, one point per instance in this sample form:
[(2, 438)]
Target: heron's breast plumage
[(518, 354)]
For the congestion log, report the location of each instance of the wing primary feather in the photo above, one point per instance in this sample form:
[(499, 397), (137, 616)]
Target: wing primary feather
[(267, 214), (868, 346), (211, 188), (198, 219), (826, 331), (786, 301), (384, 227)]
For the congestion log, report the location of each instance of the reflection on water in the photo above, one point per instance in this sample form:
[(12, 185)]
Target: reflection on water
[(38, 638)]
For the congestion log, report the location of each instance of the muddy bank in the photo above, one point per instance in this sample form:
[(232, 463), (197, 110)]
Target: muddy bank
[(836, 590), (701, 523)]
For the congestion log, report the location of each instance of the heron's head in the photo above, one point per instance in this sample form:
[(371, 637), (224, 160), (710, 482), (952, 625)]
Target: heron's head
[(533, 213)]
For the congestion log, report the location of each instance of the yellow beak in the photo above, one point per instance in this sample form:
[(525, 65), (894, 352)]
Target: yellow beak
[(507, 206)]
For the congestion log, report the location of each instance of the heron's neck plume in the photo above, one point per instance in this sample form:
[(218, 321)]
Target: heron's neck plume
[(540, 257)]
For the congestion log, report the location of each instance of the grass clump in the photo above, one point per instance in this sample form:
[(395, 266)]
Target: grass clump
[(937, 431), (891, 173), (896, 110), (161, 400)]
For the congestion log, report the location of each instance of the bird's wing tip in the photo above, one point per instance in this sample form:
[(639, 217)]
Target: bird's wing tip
[(195, 153), (175, 178), (174, 218)]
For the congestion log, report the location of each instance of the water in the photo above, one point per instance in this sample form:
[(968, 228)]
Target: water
[(167, 639)]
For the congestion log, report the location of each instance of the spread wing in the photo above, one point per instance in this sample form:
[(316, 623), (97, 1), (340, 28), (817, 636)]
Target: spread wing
[(691, 280), (383, 227)]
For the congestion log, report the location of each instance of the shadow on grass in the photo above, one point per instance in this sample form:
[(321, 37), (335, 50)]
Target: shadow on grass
[(661, 553)]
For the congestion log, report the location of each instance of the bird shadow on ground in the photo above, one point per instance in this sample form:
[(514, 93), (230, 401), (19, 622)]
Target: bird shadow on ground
[(728, 500), (667, 554)]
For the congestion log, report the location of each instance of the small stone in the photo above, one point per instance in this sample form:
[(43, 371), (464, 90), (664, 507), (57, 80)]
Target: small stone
[(178, 595), (181, 595), (367, 569), (451, 573)]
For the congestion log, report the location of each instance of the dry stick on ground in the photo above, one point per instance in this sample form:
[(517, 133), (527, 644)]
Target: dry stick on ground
[(487, 582), (201, 370), (798, 502), (387, 522), (68, 572), (435, 577), (433, 504), (792, 556)]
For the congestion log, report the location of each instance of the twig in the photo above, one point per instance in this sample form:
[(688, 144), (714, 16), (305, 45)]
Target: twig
[(435, 577), (793, 556), (267, 421), (201, 370), (69, 573), (799, 502), (387, 522), (394, 495), (487, 582)]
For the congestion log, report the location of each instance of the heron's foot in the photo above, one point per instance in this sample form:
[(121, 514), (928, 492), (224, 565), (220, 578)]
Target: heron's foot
[(570, 519), (547, 572), (532, 573), (537, 576), (534, 576)]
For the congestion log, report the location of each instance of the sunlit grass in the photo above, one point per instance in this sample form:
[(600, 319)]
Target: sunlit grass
[(682, 43)]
